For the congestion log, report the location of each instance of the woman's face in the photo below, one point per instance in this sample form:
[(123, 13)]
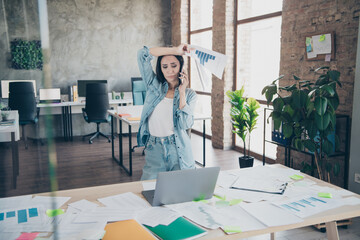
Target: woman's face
[(170, 67)]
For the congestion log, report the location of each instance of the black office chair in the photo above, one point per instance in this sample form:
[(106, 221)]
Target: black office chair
[(22, 98), (96, 106)]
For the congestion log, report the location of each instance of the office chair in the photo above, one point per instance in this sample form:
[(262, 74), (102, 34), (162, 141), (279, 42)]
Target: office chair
[(96, 106), (22, 98), (138, 91)]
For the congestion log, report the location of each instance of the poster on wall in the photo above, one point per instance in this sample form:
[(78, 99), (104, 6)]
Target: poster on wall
[(320, 47)]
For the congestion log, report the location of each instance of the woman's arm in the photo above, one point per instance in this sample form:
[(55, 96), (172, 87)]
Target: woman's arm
[(162, 51)]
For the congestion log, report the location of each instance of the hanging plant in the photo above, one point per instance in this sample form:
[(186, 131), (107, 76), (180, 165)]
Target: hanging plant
[(26, 54)]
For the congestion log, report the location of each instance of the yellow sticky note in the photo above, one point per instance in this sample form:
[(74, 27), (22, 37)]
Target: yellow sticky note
[(324, 195), (54, 212), (219, 197), (322, 38), (232, 229), (296, 177)]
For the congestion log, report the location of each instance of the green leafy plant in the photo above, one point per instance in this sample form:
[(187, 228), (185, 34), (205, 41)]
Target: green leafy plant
[(243, 115), (4, 111), (26, 54), (306, 112)]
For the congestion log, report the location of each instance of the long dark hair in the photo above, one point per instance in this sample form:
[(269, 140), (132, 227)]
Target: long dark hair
[(159, 73)]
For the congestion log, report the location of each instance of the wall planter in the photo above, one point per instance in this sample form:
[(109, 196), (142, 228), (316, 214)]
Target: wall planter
[(26, 54)]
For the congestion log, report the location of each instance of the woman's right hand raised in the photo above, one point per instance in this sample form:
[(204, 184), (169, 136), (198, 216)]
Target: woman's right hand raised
[(182, 49)]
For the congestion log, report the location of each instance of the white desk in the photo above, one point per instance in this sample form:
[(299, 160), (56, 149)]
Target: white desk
[(69, 108), (135, 111), (11, 133)]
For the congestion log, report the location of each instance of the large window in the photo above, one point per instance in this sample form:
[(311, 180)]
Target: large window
[(201, 35), (258, 57)]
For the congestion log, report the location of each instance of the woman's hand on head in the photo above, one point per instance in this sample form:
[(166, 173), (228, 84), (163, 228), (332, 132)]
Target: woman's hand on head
[(182, 49)]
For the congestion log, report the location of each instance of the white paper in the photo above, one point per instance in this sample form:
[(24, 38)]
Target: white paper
[(322, 47), (128, 201), (84, 205), (49, 201), (270, 215), (237, 216), (308, 205), (200, 213), (213, 61), (157, 215), (104, 214), (15, 202), (149, 185)]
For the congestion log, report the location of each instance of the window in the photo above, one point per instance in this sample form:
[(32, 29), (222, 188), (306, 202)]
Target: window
[(201, 35), (258, 58)]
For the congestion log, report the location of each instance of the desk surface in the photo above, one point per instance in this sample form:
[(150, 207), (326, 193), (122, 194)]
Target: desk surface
[(93, 193), (82, 103)]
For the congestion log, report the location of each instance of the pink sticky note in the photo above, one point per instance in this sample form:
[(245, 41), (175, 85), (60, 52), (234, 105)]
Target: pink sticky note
[(27, 236), (327, 57)]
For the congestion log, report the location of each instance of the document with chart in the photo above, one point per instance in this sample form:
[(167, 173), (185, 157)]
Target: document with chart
[(213, 61)]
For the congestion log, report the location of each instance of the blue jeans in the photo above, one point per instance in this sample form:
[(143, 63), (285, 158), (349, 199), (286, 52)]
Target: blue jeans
[(160, 156)]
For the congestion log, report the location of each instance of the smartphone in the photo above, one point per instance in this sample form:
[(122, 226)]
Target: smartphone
[(180, 81)]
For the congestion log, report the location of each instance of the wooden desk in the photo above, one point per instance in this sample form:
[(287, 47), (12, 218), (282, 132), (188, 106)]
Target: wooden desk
[(135, 111), (329, 217), (11, 133)]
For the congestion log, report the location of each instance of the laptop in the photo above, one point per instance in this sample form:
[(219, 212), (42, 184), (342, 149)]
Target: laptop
[(183, 186)]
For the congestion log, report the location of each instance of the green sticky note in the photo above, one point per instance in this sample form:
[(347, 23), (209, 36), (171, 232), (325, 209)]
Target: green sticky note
[(222, 203), (296, 177), (54, 212), (322, 38), (232, 229), (308, 41), (219, 197), (201, 197), (325, 195), (235, 201)]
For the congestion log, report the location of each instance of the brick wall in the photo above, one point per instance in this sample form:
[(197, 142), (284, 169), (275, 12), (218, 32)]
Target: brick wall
[(306, 18), (223, 42)]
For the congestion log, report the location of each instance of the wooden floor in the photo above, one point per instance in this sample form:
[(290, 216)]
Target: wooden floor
[(80, 164), (83, 165)]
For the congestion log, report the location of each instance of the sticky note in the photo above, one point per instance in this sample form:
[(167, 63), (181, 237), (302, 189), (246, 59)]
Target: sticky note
[(54, 212), (222, 203), (308, 48), (296, 177), (322, 38), (235, 201), (27, 236), (2, 215), (201, 197), (327, 57), (219, 197), (22, 217), (324, 195), (308, 41), (232, 229)]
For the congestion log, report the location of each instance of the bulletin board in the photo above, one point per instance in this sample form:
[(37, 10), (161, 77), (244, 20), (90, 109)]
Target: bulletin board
[(320, 47)]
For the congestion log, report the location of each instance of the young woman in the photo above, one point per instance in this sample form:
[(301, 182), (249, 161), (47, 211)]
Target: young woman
[(167, 113)]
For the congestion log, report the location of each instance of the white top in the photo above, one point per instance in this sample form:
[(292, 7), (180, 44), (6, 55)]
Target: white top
[(161, 123)]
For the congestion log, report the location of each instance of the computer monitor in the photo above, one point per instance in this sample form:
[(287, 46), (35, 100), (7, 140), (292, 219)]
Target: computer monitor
[(82, 86), (5, 86), (50, 95)]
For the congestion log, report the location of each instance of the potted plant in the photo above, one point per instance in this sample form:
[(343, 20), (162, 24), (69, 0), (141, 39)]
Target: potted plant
[(244, 116), (4, 110), (306, 112)]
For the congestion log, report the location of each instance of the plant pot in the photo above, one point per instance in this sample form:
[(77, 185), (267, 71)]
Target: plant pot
[(246, 161)]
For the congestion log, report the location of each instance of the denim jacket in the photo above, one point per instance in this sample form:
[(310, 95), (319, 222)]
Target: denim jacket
[(183, 118)]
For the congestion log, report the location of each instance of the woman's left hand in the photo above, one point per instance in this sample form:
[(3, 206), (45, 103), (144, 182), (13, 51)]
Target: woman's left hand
[(184, 82)]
